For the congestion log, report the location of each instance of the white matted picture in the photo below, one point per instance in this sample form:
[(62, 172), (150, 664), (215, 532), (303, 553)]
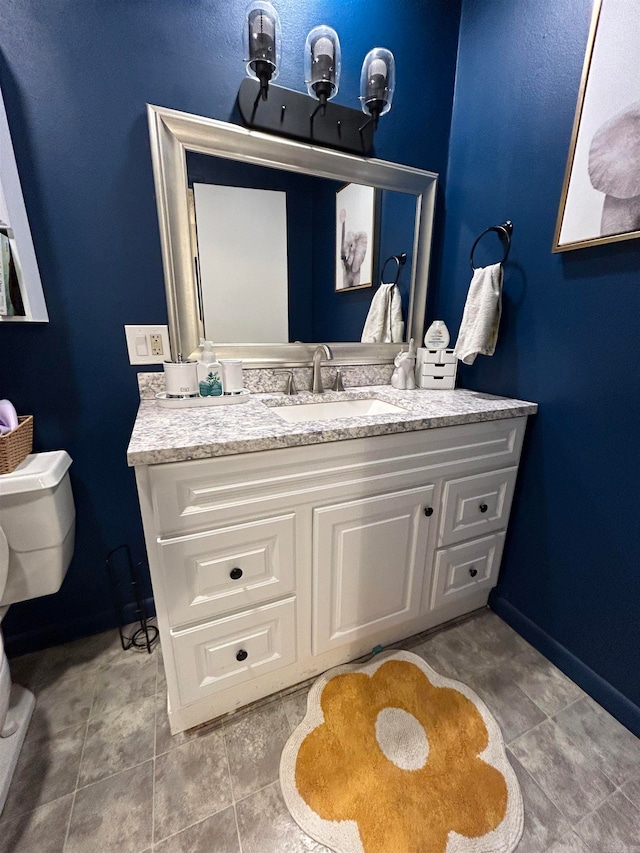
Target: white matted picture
[(600, 200), (355, 228)]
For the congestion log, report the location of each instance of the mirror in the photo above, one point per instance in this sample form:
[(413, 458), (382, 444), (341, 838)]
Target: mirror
[(256, 255)]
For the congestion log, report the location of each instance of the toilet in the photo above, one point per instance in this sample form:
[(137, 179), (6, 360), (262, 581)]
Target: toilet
[(37, 529)]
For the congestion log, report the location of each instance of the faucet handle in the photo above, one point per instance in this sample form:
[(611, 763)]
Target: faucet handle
[(290, 387), (338, 384)]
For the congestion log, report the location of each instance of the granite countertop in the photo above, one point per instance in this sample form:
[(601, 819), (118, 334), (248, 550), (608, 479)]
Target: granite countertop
[(173, 435)]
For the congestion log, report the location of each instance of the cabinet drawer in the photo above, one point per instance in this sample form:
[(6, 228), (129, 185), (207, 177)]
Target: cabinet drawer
[(473, 506), (230, 651), (207, 574), (464, 569)]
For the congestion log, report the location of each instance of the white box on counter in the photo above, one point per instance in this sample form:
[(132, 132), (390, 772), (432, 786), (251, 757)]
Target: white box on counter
[(436, 368)]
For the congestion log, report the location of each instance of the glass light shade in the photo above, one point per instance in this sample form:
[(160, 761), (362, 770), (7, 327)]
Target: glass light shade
[(262, 41), (322, 62), (377, 82)]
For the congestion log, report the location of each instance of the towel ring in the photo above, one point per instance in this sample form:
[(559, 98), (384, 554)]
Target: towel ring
[(400, 259), (504, 232)]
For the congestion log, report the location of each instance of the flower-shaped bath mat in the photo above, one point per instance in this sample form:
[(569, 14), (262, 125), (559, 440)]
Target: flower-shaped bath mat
[(393, 758)]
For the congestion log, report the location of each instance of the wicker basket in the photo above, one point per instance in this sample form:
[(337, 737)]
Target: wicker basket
[(16, 445)]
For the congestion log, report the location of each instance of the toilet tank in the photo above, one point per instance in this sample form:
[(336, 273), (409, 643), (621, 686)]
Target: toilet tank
[(37, 515)]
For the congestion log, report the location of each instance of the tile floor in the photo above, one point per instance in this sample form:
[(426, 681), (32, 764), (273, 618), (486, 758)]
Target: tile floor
[(100, 772)]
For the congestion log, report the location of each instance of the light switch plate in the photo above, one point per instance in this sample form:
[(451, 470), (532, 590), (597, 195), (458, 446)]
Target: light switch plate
[(148, 344)]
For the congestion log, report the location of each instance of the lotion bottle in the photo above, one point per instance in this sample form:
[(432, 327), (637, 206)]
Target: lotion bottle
[(437, 336), (209, 371)]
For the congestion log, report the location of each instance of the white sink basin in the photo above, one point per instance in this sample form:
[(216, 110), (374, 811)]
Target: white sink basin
[(335, 409)]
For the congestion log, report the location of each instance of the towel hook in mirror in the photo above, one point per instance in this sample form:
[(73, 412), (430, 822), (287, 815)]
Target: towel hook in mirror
[(400, 260), (504, 232)]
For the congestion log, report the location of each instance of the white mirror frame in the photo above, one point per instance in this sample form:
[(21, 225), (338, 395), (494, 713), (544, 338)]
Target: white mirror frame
[(173, 134)]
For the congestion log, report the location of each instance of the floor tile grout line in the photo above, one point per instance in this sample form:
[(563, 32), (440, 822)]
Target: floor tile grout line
[(235, 815), (258, 790), (86, 735), (111, 775), (155, 755), (533, 728), (66, 835), (191, 825), (546, 795), (226, 758), (580, 749)]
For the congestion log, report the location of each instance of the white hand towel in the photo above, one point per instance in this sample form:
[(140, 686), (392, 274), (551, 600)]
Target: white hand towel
[(478, 333), (384, 323)]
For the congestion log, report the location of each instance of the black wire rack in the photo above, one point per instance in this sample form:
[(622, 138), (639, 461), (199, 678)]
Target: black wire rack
[(124, 578)]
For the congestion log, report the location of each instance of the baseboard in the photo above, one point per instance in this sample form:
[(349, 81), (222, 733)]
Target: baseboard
[(605, 694), (43, 637)]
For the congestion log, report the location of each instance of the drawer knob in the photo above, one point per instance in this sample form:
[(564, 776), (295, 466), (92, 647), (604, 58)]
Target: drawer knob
[(242, 655), (483, 507), (428, 510), (235, 574), (473, 572)]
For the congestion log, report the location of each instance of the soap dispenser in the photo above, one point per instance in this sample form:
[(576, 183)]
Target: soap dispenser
[(209, 371)]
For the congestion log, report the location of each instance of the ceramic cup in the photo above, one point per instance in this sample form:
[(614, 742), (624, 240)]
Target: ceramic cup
[(232, 380), (181, 378)]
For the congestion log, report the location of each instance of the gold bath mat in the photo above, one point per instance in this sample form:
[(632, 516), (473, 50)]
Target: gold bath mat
[(393, 758)]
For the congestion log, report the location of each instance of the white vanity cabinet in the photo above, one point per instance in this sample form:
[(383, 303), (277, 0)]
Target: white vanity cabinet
[(270, 567)]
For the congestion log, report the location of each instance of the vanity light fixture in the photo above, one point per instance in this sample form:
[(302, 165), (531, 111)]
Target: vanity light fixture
[(314, 119), (322, 63), (262, 44), (377, 83)]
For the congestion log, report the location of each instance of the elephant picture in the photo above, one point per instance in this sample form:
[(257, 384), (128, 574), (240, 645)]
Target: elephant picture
[(354, 250), (600, 201), (355, 220)]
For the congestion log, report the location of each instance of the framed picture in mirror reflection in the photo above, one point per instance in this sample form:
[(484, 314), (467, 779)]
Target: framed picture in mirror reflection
[(355, 236)]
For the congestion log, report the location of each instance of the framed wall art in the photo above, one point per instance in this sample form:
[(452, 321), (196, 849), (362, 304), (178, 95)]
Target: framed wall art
[(355, 236), (600, 200)]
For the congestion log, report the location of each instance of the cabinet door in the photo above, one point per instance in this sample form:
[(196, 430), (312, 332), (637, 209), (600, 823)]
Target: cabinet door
[(368, 562)]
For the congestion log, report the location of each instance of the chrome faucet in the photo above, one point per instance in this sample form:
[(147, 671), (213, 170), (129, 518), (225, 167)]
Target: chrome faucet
[(321, 349)]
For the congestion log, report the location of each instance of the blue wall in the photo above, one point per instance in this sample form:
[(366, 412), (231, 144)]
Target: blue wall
[(75, 78), (568, 340)]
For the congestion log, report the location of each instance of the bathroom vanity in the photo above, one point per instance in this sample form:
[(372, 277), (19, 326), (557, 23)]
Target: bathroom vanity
[(279, 549)]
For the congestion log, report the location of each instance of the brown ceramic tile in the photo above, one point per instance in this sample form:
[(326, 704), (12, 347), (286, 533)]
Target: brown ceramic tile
[(215, 834), (267, 827), (129, 680), (118, 740), (114, 815), (514, 711), (614, 826), (254, 745), (47, 770), (41, 831), (192, 783), (573, 781), (596, 733)]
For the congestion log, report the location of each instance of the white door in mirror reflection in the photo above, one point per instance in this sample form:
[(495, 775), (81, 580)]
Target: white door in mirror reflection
[(242, 251)]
